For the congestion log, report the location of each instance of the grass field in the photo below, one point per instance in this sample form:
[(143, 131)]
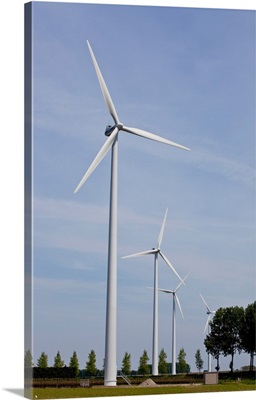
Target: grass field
[(65, 393)]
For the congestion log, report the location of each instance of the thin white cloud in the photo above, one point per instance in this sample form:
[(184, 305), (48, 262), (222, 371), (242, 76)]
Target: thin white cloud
[(229, 168), (57, 209), (72, 225), (58, 285)]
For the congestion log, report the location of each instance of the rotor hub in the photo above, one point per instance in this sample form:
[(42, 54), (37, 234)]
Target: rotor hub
[(119, 125)]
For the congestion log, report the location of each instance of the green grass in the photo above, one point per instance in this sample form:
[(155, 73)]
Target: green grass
[(65, 393)]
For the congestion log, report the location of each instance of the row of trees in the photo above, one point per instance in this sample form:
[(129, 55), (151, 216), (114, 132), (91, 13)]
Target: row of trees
[(232, 330), (42, 361), (164, 367), (144, 367)]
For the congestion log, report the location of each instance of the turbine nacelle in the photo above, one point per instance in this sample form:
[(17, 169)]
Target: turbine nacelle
[(109, 128)]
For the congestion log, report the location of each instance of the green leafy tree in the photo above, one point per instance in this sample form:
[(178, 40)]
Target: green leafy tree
[(182, 365), (187, 370), (247, 332), (91, 368), (126, 364), (199, 361), (231, 340), (42, 361), (74, 362), (58, 362), (143, 365), (162, 363), (28, 359), (224, 336)]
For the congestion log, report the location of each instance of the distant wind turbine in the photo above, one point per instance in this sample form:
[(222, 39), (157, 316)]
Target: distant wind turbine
[(112, 142), (209, 313), (175, 300), (156, 251)]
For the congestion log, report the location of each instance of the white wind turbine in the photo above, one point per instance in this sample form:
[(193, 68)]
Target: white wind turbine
[(156, 251), (175, 299), (112, 142), (209, 313)]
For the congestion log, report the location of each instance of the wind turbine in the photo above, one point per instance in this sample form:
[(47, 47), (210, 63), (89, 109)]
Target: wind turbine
[(209, 313), (112, 142), (175, 299), (156, 251)]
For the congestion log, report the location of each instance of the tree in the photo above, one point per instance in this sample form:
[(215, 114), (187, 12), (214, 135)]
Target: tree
[(225, 333), (143, 365), (58, 362), (126, 364), (247, 332), (162, 363), (199, 361), (74, 363), (91, 368), (28, 359), (42, 361), (181, 360), (231, 340)]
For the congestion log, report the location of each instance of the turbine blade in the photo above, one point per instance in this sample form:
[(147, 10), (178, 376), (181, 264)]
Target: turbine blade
[(142, 253), (160, 237), (170, 265), (101, 154), (104, 89), (206, 305), (152, 136), (178, 302), (179, 285)]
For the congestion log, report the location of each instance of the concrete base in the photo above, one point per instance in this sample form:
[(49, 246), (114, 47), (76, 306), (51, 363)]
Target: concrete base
[(211, 378), (109, 383)]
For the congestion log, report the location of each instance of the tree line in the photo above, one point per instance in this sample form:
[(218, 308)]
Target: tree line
[(232, 330), (144, 368)]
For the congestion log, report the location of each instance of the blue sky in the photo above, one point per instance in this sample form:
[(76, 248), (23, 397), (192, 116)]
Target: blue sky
[(187, 75)]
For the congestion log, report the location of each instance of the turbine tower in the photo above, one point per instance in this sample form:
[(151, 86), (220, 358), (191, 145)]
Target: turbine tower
[(209, 313), (112, 142), (175, 300), (156, 251)]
